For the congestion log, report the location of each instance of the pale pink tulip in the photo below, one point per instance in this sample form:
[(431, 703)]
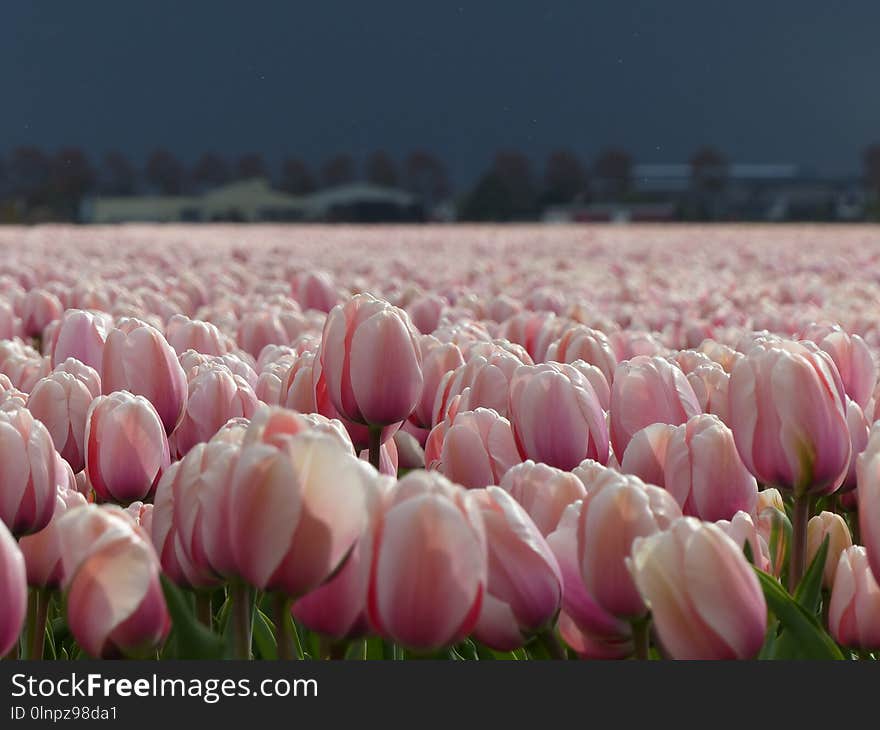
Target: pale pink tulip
[(126, 447), (81, 335), (705, 599), (38, 309), (834, 527), (13, 588), (543, 491), (185, 334), (41, 549), (854, 611)]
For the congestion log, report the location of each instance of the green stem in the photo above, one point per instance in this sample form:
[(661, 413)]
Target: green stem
[(798, 563), (243, 619), (38, 611), (375, 445), (641, 636), (283, 627), (550, 641), (204, 611)]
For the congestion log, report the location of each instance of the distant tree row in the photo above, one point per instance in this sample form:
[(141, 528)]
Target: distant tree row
[(54, 183)]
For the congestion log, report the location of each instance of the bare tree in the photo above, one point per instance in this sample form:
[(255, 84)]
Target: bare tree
[(564, 177), (250, 166), (381, 169), (165, 172), (425, 175), (338, 170), (210, 171), (117, 175), (296, 178), (613, 168)]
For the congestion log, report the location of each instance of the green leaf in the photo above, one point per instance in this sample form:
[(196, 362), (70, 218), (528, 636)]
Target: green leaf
[(802, 636), (191, 639), (769, 648), (264, 636), (809, 590)]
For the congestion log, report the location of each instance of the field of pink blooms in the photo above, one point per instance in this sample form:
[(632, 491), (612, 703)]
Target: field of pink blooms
[(524, 442)]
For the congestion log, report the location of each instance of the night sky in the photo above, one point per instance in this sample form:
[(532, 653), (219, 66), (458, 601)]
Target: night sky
[(765, 81)]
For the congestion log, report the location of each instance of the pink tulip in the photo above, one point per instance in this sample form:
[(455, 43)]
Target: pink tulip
[(273, 426), (190, 521), (648, 390), (788, 419), (185, 334), (60, 401), (583, 343), (438, 358), (429, 567), (524, 590), (126, 447), (13, 588), (741, 528), (474, 449), (579, 606), (41, 549), (589, 646), (425, 312), (337, 608), (556, 416), (214, 396), (854, 611), (612, 516), (261, 328), (868, 477), (705, 599), (31, 475), (296, 511), (81, 335), (107, 616), (371, 359), (314, 290), (859, 430), (543, 492), (485, 378), (410, 454), (38, 309), (832, 526), (704, 473), (645, 455), (137, 358), (853, 358)]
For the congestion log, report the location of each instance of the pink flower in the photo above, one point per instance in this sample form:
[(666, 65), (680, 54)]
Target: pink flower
[(705, 599), (81, 335), (41, 550), (556, 416), (543, 491), (126, 447), (13, 588), (832, 526), (854, 611)]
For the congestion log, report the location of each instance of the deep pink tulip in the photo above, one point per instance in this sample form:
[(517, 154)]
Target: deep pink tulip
[(705, 599), (704, 472), (788, 419), (371, 360), (31, 473), (834, 527), (137, 358), (41, 550), (214, 396), (126, 447), (556, 416), (648, 390), (524, 590), (81, 335), (338, 607), (475, 449), (13, 588), (543, 491), (296, 511), (430, 566), (612, 515), (109, 617), (60, 401), (854, 611)]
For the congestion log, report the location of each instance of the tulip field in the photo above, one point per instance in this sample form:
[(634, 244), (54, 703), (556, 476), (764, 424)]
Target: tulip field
[(444, 442)]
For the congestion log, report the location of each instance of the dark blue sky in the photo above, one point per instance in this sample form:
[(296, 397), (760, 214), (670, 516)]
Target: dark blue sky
[(775, 80)]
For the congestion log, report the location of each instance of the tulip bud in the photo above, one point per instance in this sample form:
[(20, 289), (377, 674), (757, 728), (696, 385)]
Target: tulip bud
[(834, 527), (868, 477), (108, 617), (39, 308), (13, 588), (137, 358), (788, 420), (705, 599), (556, 416), (185, 334), (474, 449), (612, 515), (371, 359), (543, 491), (429, 567), (81, 335), (126, 447), (854, 611), (31, 473)]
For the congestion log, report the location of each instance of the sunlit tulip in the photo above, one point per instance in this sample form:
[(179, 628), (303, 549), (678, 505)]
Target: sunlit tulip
[(832, 526), (854, 611), (543, 491), (13, 588)]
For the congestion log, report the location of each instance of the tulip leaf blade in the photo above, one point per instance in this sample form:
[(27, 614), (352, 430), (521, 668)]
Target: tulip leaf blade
[(802, 637), (191, 640), (809, 590), (264, 636)]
